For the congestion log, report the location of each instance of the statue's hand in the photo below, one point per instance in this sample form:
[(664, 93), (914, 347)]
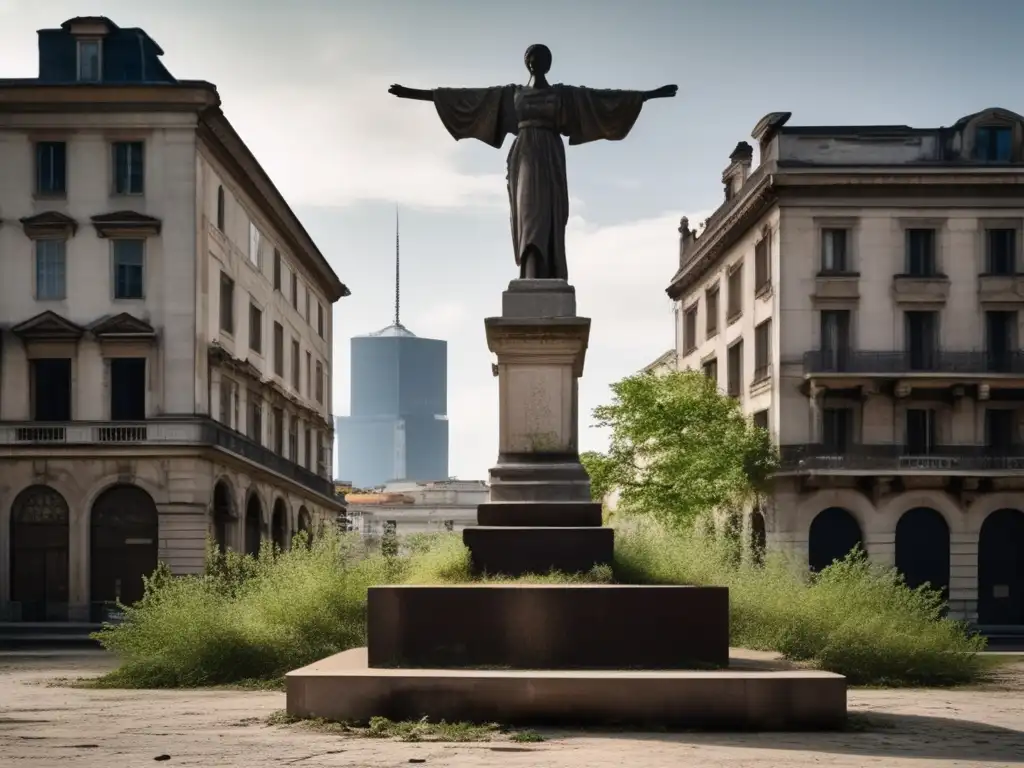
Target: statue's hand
[(667, 91), (397, 90)]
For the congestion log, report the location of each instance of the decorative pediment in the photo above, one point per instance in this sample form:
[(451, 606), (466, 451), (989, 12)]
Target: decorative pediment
[(49, 224), (48, 326), (122, 326), (126, 224)]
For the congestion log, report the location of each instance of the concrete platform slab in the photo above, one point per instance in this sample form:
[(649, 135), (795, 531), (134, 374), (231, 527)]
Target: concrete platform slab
[(342, 687), (548, 626)]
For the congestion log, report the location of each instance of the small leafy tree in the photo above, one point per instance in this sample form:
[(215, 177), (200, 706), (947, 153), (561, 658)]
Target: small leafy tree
[(679, 447)]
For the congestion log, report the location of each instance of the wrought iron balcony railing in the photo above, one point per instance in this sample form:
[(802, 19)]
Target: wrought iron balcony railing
[(900, 458), (941, 361), (198, 431)]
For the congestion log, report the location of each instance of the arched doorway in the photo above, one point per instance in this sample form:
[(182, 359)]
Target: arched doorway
[(253, 524), (834, 532), (1001, 568), (40, 532), (124, 544), (758, 537), (279, 525), (223, 515), (922, 549), (305, 524)]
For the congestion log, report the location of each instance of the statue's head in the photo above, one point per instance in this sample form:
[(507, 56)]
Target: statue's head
[(538, 59)]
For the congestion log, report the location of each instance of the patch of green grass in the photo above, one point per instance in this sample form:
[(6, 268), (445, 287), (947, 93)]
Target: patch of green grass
[(247, 621), (414, 730)]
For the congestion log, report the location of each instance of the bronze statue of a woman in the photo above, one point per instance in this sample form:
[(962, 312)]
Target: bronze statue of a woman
[(538, 114)]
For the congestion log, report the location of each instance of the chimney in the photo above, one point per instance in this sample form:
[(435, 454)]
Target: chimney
[(738, 170)]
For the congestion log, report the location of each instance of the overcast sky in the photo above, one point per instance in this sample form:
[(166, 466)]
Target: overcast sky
[(305, 84)]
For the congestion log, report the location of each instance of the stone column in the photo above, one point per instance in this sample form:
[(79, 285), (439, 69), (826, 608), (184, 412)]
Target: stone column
[(963, 576), (881, 547)]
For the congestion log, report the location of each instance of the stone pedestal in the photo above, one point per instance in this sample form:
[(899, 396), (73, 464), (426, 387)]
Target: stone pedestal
[(540, 515), (552, 654)]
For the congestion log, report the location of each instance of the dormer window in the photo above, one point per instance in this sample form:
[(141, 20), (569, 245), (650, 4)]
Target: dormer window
[(89, 61), (994, 144)]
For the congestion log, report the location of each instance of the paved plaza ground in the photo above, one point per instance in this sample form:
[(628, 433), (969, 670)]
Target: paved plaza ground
[(44, 724)]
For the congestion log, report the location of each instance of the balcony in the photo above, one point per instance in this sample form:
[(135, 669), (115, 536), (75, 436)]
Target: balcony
[(920, 289), (902, 363), (874, 459), (1001, 289), (836, 287), (199, 432)]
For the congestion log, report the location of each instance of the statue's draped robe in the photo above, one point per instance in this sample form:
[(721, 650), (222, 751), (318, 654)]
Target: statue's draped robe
[(538, 117)]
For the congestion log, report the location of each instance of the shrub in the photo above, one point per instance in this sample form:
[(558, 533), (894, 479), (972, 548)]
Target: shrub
[(257, 618), (855, 618)]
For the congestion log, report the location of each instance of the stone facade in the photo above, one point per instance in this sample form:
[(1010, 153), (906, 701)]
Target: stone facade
[(858, 292), (165, 333)]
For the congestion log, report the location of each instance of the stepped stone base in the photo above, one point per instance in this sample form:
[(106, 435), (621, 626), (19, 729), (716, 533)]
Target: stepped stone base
[(514, 551), (342, 687), (540, 514), (556, 626)]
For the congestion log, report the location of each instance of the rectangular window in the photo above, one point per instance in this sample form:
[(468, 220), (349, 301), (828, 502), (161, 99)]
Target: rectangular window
[(319, 382), (834, 256), (994, 144), (320, 319), (735, 369), (128, 389), (128, 168), (307, 448), (129, 275), (226, 395), (837, 429), (307, 305), (296, 365), (762, 266), (921, 431), (1000, 426), (50, 382), (255, 329), (763, 351), (255, 425), (309, 374), (711, 311), (279, 431), (1000, 340), (278, 349), (760, 419), (921, 253), (922, 340), (690, 330), (227, 304), (1001, 251), (51, 270), (51, 168), (321, 458), (735, 297), (295, 290), (710, 369), (835, 339), (255, 246), (293, 438), (220, 208), (277, 270), (89, 70)]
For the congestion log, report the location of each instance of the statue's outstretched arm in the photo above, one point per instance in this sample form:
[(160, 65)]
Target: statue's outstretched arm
[(410, 93)]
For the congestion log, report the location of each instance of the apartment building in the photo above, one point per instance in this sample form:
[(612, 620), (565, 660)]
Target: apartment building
[(861, 291), (166, 332)]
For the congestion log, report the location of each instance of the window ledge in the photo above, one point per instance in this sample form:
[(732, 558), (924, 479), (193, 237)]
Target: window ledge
[(689, 350), (764, 292), (711, 334), (730, 319)]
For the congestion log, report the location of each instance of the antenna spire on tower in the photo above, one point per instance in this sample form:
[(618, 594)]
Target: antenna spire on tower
[(398, 284)]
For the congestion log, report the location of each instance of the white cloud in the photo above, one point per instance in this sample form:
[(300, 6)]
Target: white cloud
[(362, 144)]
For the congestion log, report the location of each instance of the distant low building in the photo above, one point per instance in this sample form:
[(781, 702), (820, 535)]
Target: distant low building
[(407, 507)]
